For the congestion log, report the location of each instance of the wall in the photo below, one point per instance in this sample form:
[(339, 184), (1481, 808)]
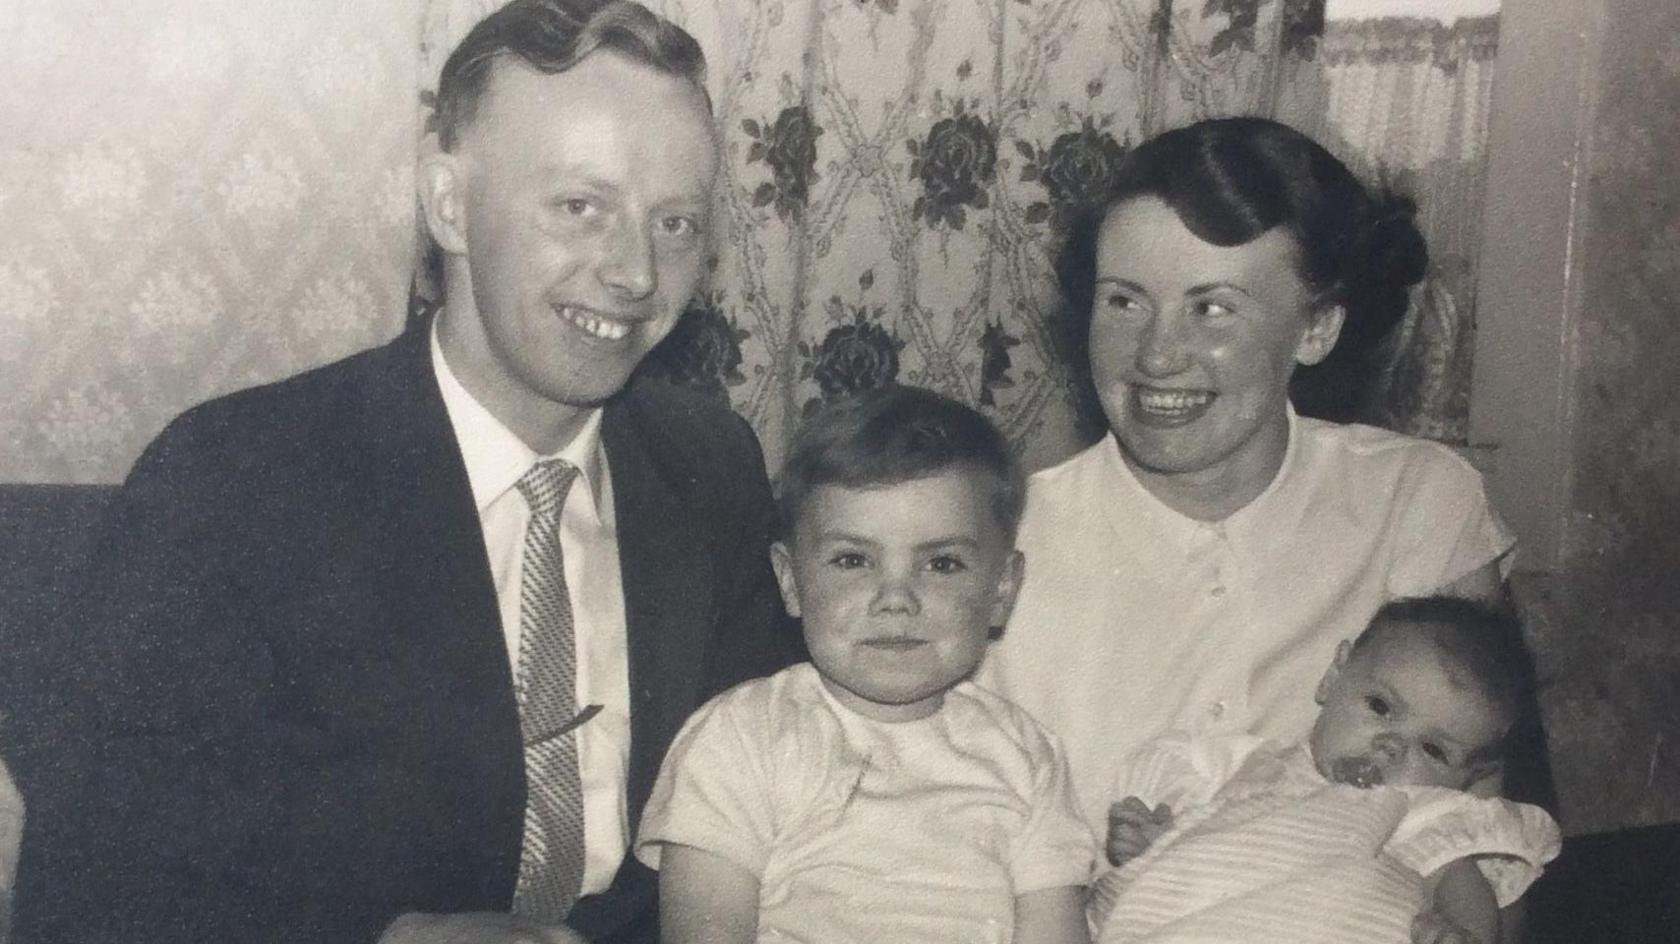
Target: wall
[(1611, 610), (198, 196)]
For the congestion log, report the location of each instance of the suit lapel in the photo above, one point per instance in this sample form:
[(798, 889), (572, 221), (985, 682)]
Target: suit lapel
[(668, 604)]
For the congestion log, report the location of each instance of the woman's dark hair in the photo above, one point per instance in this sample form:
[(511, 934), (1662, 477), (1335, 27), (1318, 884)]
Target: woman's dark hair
[(894, 434), (1232, 179)]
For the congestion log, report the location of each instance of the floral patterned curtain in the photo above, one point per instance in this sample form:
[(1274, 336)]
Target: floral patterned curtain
[(232, 202)]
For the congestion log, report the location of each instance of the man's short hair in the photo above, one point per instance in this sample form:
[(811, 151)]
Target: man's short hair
[(553, 36), (898, 434)]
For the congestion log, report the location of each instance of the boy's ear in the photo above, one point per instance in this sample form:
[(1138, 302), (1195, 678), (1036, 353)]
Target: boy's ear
[(781, 560), (1008, 585), (439, 182), (1343, 650), (1324, 327)]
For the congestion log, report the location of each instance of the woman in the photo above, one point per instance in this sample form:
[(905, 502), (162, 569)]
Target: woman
[(1197, 566)]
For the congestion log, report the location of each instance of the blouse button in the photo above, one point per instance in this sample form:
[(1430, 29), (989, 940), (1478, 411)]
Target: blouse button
[(1218, 709)]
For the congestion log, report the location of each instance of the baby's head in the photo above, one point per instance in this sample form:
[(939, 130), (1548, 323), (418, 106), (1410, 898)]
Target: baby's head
[(898, 515), (1424, 696)]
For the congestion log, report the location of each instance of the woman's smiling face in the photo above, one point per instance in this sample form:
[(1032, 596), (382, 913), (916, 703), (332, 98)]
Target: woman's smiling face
[(1192, 346)]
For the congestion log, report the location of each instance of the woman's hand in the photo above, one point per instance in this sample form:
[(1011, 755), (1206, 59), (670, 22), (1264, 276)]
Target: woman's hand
[(1133, 827)]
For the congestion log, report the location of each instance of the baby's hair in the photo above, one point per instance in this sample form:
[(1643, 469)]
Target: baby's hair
[(1482, 641), (897, 434)]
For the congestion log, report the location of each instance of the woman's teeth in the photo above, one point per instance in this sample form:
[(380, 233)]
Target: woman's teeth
[(594, 324)]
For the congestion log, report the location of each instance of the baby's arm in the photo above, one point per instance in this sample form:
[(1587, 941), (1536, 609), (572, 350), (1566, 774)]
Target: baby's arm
[(1464, 910), (705, 898), (1133, 826), (1051, 916)]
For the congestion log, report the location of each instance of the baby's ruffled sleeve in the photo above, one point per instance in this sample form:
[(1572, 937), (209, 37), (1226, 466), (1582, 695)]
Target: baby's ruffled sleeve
[(1510, 842)]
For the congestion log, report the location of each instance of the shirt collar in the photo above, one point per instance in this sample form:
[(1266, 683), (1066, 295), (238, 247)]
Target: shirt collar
[(496, 458)]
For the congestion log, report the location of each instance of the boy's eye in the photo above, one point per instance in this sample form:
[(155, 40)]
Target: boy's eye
[(947, 564), (1377, 704), (847, 560)]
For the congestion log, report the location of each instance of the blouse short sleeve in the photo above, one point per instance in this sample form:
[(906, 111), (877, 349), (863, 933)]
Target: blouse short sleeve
[(1447, 526), (1510, 842)]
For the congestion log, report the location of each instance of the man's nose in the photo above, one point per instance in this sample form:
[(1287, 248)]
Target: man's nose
[(627, 267)]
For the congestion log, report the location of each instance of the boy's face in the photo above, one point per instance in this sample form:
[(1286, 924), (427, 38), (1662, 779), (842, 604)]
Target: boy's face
[(899, 587), (1397, 712)]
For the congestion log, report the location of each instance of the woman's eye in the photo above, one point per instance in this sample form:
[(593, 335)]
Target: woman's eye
[(1436, 753), (947, 564), (1211, 309), (1377, 704), (1118, 301)]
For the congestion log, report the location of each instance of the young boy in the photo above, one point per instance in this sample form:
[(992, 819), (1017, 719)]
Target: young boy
[(1364, 832), (875, 793)]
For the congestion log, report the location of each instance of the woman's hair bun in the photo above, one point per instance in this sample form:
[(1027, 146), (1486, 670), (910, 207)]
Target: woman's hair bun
[(1395, 253)]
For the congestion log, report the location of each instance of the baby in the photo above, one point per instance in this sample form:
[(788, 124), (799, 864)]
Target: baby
[(875, 793), (1326, 841)]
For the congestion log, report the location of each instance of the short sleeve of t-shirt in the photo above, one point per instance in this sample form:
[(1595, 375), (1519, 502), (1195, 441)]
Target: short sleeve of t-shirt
[(1510, 842), (713, 792), (1055, 846)]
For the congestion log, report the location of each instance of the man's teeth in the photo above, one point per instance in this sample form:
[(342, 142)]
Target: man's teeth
[(1169, 401), (594, 324)]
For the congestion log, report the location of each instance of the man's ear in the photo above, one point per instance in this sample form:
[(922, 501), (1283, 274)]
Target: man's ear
[(1008, 585), (781, 560), (440, 182), (1323, 328), (1343, 650)]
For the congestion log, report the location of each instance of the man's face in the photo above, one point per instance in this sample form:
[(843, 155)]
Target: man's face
[(574, 212), (898, 587)]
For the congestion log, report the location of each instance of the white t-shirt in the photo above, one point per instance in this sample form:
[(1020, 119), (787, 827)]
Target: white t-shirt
[(866, 831), (1135, 619)]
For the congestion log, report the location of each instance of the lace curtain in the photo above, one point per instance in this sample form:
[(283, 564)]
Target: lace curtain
[(234, 202), (897, 175)]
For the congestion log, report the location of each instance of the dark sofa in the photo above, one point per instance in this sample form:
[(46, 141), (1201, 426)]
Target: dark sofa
[(1621, 887)]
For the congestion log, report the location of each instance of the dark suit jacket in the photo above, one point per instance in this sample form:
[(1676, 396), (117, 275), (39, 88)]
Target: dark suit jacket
[(288, 712)]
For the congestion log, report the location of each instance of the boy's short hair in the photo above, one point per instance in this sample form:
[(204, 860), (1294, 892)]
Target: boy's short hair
[(1485, 642), (897, 434)]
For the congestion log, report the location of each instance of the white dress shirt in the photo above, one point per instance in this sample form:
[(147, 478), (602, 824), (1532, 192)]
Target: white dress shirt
[(496, 459)]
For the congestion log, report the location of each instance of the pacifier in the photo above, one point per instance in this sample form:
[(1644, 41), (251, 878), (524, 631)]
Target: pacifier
[(1360, 772)]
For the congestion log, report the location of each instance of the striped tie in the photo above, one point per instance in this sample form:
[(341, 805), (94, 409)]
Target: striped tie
[(551, 859)]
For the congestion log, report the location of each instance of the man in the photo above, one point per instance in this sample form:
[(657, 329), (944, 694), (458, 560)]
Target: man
[(358, 662)]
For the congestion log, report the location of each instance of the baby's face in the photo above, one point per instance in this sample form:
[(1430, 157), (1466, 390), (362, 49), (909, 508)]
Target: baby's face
[(1397, 712), (898, 587)]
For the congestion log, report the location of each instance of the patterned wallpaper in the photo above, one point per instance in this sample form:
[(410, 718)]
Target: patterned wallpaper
[(1613, 639), (199, 196)]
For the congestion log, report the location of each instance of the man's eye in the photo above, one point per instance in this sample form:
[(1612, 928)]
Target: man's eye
[(947, 564), (577, 206), (847, 560), (1378, 705), (1211, 309), (681, 226)]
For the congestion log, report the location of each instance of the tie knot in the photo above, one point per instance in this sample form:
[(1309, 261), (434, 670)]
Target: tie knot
[(545, 485)]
